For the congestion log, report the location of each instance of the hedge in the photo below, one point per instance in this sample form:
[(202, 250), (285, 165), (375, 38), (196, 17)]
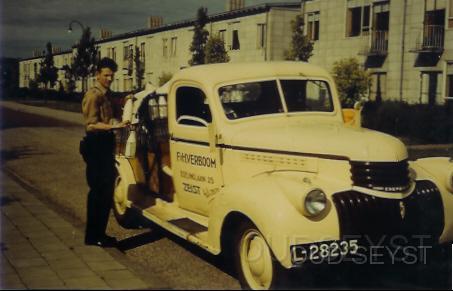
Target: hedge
[(418, 122)]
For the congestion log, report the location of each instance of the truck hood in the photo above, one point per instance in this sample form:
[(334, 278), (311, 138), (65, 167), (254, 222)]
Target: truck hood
[(325, 140)]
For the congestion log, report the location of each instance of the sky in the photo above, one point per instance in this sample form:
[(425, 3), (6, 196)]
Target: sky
[(29, 24)]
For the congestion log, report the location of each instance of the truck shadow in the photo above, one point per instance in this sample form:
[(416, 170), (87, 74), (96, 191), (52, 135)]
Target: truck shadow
[(133, 242), (434, 273)]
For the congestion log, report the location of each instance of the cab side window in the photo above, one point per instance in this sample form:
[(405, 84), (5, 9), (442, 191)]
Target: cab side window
[(192, 102)]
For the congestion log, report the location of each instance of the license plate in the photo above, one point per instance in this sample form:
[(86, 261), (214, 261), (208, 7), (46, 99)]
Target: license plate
[(323, 251)]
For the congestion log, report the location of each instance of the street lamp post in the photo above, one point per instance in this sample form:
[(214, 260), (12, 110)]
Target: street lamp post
[(78, 22), (83, 32)]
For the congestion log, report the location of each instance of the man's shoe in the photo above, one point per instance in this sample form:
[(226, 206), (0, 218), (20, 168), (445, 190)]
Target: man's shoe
[(104, 242)]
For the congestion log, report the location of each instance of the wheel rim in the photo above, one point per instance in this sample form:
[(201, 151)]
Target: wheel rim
[(119, 197), (256, 260)]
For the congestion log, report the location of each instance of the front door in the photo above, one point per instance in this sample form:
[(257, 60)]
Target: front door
[(196, 166)]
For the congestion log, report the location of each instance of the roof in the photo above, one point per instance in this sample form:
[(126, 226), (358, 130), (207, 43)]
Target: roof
[(214, 74), (69, 51), (251, 10)]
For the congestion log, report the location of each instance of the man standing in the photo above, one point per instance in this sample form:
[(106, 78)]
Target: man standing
[(97, 149)]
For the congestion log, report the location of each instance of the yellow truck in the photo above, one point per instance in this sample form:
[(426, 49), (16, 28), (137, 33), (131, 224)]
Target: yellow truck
[(260, 162)]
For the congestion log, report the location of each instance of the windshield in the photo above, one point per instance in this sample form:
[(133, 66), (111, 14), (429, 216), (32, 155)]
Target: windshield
[(259, 98)]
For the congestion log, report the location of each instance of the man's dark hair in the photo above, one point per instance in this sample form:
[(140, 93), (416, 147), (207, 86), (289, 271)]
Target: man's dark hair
[(107, 63)]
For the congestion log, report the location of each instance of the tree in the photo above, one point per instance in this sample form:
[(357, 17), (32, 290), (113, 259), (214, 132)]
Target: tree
[(139, 68), (352, 81), (85, 58), (215, 51), (70, 77), (48, 73), (301, 46), (200, 37)]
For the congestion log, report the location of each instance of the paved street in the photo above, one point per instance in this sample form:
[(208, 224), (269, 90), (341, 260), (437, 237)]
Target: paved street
[(44, 171), (41, 250), (43, 152)]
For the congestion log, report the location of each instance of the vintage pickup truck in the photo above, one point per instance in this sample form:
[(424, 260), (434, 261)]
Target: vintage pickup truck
[(260, 162)]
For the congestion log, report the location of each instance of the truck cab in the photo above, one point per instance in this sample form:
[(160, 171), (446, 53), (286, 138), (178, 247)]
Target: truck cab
[(260, 161)]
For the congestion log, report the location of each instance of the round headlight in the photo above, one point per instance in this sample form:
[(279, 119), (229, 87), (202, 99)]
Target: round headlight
[(315, 202)]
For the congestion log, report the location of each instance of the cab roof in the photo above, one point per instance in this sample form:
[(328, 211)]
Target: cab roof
[(214, 74)]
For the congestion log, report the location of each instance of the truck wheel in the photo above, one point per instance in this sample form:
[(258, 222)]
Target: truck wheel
[(256, 266), (123, 214)]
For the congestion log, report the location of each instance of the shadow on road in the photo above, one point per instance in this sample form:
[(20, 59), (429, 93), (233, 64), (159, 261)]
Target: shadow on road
[(140, 240), (13, 119), (17, 153), (432, 273), (5, 200)]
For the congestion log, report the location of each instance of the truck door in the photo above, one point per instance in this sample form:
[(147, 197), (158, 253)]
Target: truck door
[(197, 171)]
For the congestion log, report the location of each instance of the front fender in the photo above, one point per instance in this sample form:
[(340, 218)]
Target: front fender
[(439, 170), (263, 200)]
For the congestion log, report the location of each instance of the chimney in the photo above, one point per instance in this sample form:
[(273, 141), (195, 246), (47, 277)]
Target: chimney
[(155, 21), (235, 4), (104, 33)]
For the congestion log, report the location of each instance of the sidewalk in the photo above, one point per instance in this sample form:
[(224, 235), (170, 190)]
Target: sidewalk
[(40, 250)]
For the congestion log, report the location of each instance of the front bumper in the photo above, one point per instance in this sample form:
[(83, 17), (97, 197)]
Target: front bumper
[(373, 227)]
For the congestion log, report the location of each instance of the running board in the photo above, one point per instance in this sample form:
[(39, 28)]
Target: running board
[(178, 223)]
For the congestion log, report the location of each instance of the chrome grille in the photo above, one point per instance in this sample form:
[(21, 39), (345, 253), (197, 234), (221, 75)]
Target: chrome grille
[(381, 176), (419, 213)]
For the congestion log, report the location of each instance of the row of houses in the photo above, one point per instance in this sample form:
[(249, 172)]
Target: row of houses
[(406, 45)]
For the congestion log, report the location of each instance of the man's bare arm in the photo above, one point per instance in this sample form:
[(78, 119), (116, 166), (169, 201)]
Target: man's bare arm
[(100, 126)]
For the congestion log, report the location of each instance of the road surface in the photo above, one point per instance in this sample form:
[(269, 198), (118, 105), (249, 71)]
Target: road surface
[(43, 152)]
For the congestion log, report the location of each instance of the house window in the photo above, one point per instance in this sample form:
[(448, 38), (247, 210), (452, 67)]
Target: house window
[(450, 87), (235, 44), (378, 88), (366, 20), (142, 52), (127, 52), (261, 36), (222, 34), (450, 14), (313, 25), (164, 47), (113, 54), (357, 19), (173, 46), (431, 88)]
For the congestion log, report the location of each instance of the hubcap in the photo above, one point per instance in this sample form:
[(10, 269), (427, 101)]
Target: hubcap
[(256, 260)]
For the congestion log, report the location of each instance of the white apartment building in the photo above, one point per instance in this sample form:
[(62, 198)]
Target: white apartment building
[(407, 45), (251, 34)]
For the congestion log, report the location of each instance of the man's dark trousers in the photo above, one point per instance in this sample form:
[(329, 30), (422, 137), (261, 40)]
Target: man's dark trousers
[(98, 153)]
